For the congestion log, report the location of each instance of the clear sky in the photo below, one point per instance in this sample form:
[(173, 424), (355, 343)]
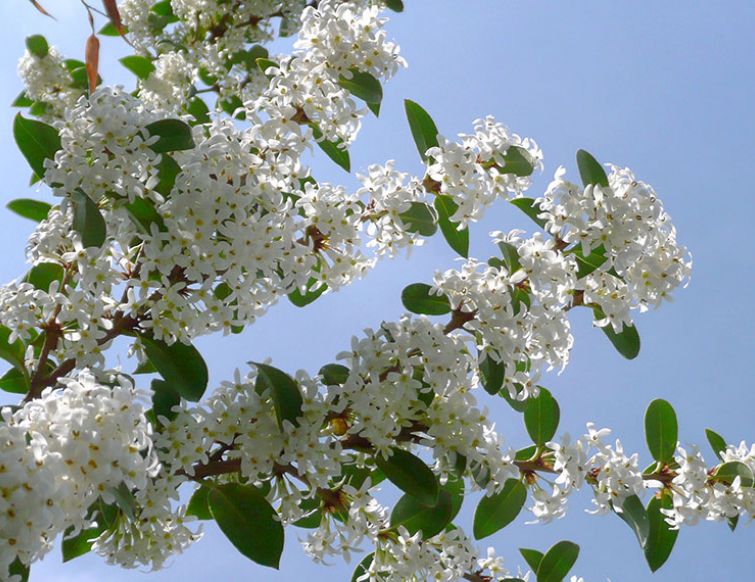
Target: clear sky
[(666, 88)]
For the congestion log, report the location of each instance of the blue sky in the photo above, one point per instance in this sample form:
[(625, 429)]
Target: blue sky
[(665, 88)]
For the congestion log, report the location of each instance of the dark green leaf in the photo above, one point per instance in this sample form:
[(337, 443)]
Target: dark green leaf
[(167, 171), (519, 162), (22, 100), (590, 170), (528, 206), (395, 5), (496, 511), (661, 537), (248, 521), (661, 430), (198, 109), (143, 215), (43, 275), (164, 398), (37, 141), (732, 522), (362, 567), (526, 453), (334, 150), (557, 562), (728, 472), (37, 45), (410, 474), (423, 128), (88, 220), (717, 442), (417, 298), (141, 66), (415, 516), (35, 210), (14, 381), (541, 417), (334, 374), (633, 513), (180, 365), (420, 219), (313, 514), (362, 85), (283, 390), (457, 239), (174, 135), (491, 373), (80, 544), (627, 342), (588, 264), (302, 299), (18, 568), (125, 500), (12, 352), (532, 557), (199, 506)]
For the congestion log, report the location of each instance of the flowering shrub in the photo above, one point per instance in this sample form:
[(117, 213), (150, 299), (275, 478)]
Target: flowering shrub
[(186, 209)]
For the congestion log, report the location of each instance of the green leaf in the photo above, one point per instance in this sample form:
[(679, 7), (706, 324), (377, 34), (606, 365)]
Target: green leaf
[(35, 210), (541, 417), (362, 567), (362, 85), (395, 5), (627, 342), (22, 100), (312, 518), (264, 64), (80, 544), (333, 149), (180, 365), (43, 275), (124, 499), (141, 66), (14, 381), (728, 472), (530, 208), (37, 45), (248, 521), (418, 299), (588, 264), (491, 373), (167, 171), (199, 110), (110, 30), (633, 513), (143, 215), (88, 220), (334, 374), (164, 398), (717, 442), (423, 128), (283, 390), (431, 520), (732, 522), (37, 141), (519, 162), (410, 474), (532, 557), (496, 511), (18, 568), (174, 135), (12, 352), (661, 538), (557, 562), (661, 430), (420, 219), (590, 170), (309, 295), (199, 505), (457, 239)]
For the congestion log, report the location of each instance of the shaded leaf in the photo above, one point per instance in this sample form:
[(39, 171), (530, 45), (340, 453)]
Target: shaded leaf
[(627, 342), (661, 538), (35, 210), (491, 373), (14, 382), (283, 390), (518, 162), (419, 219), (717, 442), (661, 430), (334, 374), (633, 513), (557, 562), (541, 417), (494, 512), (180, 365), (423, 128), (362, 567), (37, 141), (199, 505), (457, 239), (174, 135), (333, 149), (410, 474), (88, 220), (728, 472), (530, 208), (590, 170), (417, 298)]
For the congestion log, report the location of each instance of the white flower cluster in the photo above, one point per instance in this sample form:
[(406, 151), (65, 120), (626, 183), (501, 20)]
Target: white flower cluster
[(516, 307), (60, 453), (625, 222), (474, 171), (48, 81), (167, 87)]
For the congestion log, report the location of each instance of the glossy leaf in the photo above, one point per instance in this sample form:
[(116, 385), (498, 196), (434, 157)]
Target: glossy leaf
[(180, 365), (199, 505), (590, 170), (410, 474), (431, 520), (588, 264), (141, 66), (457, 239), (35, 210), (334, 150), (283, 390), (728, 472), (423, 128), (557, 562), (496, 511), (530, 208), (395, 5), (627, 342), (12, 352), (633, 513), (362, 85), (362, 567), (37, 141), (310, 294), (143, 214), (37, 45), (14, 381), (164, 398), (541, 417), (248, 521), (661, 430), (174, 135), (419, 219), (417, 298), (518, 162), (717, 442), (661, 538), (334, 374), (532, 557), (492, 373)]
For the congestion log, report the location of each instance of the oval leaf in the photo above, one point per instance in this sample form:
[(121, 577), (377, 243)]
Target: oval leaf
[(530, 208), (362, 85), (661, 538), (419, 219), (414, 516), (661, 430), (627, 342), (181, 366), (44, 274), (518, 162), (417, 298), (174, 135), (633, 513), (141, 66), (717, 442), (248, 521), (541, 417), (37, 45), (199, 504), (411, 475), (457, 239), (423, 128), (557, 562), (532, 557), (35, 210), (88, 220), (728, 472), (362, 568), (590, 170), (491, 374), (333, 149), (283, 390), (37, 141), (497, 511)]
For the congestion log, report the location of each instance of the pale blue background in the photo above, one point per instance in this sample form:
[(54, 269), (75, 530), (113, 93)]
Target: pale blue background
[(663, 87)]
